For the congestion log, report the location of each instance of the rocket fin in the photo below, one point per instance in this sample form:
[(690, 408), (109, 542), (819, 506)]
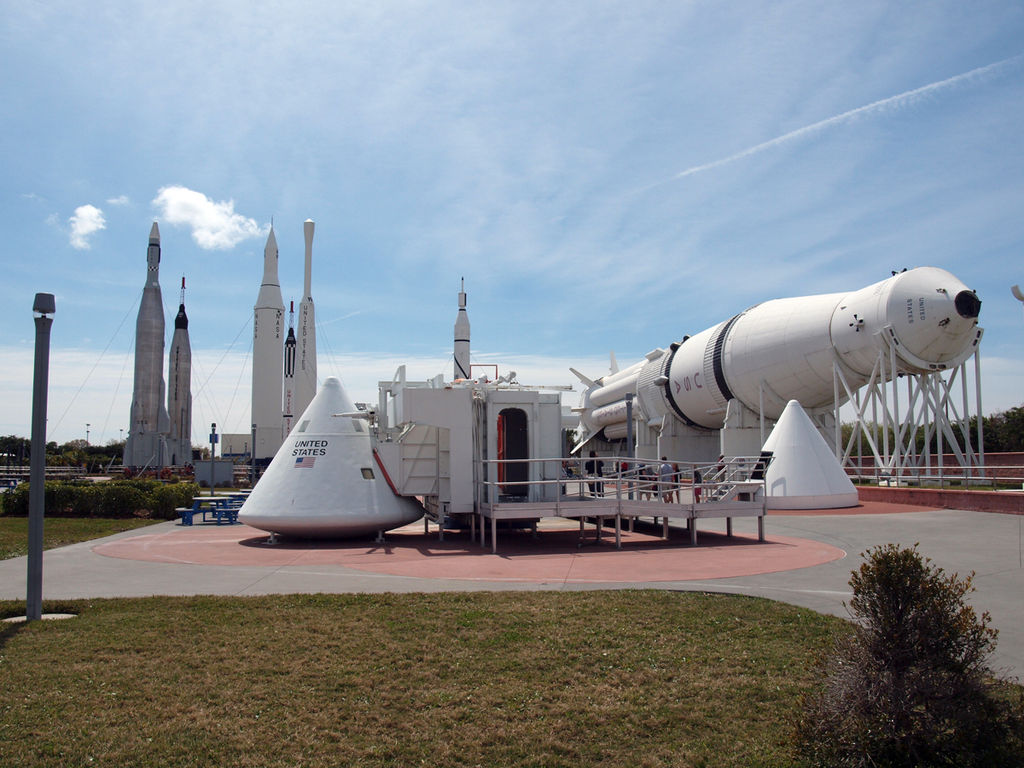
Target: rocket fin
[(584, 379)]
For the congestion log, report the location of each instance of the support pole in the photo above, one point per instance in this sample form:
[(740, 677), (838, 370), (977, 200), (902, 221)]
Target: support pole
[(978, 411), (630, 447), (43, 306)]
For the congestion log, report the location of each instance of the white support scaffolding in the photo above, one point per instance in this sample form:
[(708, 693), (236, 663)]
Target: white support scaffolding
[(889, 421)]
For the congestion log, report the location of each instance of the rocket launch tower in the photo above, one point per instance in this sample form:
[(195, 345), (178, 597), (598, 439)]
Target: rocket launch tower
[(149, 425)]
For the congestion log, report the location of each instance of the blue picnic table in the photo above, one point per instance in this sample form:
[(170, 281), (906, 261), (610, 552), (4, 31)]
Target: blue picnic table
[(222, 508)]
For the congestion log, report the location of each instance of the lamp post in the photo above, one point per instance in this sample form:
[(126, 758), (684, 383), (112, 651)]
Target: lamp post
[(43, 306), (87, 434)]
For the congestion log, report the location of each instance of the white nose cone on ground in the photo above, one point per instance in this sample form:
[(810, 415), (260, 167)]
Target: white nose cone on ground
[(324, 481), (804, 473)]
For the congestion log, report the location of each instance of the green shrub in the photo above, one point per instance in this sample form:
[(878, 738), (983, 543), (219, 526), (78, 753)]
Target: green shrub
[(119, 500), (111, 499), (910, 685), (165, 498)]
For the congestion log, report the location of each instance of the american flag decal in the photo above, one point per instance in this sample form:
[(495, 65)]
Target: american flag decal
[(305, 461)]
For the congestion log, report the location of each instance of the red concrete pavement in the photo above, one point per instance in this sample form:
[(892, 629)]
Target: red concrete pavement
[(555, 555)]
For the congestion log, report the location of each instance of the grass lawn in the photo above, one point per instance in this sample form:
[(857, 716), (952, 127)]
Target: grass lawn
[(59, 531), (624, 678)]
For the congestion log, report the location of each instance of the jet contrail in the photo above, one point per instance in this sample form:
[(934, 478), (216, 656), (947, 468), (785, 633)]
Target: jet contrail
[(899, 100)]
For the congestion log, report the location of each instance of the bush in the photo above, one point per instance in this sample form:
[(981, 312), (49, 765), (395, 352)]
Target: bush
[(910, 686), (115, 499), (112, 499)]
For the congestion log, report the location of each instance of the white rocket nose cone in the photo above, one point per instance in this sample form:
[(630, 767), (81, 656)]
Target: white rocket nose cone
[(324, 481), (933, 313), (804, 473)]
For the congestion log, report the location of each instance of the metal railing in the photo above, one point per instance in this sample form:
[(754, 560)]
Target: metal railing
[(993, 477), (623, 479)]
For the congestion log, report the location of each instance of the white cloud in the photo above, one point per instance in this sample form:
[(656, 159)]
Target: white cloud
[(86, 220), (119, 200), (908, 98), (215, 226)]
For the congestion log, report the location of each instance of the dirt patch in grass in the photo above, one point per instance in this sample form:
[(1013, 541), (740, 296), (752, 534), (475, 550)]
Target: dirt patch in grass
[(639, 678)]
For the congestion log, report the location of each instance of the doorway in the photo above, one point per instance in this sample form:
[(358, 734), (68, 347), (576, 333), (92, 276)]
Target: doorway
[(513, 443)]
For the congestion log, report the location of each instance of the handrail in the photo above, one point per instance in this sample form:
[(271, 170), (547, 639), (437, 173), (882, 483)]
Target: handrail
[(639, 476), (1006, 477)]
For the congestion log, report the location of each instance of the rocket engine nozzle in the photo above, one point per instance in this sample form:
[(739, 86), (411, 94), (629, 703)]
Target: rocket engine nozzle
[(967, 304)]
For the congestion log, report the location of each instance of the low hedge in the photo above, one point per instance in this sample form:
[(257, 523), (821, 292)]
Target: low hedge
[(111, 499)]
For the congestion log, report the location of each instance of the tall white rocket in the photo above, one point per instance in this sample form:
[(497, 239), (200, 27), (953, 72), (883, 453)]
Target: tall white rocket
[(179, 390), (305, 372), (267, 362), (462, 336), (148, 426), (289, 372)]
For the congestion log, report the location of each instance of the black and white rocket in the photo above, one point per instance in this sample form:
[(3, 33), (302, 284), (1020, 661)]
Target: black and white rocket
[(305, 371), (267, 361), (179, 390), (462, 337), (149, 424), (289, 372)]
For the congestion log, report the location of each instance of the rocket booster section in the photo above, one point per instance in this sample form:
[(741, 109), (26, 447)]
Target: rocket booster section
[(267, 360), (305, 373), (785, 348), (179, 393), (289, 371), (149, 419), (462, 364)]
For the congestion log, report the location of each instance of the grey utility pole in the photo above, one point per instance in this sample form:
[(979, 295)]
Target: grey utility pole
[(43, 306)]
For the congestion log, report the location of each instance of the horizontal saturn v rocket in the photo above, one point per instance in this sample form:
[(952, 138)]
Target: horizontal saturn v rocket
[(786, 348)]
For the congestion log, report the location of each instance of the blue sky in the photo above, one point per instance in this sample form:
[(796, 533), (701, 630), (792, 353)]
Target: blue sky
[(606, 176)]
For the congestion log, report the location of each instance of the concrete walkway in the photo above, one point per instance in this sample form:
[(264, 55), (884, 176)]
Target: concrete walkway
[(825, 548)]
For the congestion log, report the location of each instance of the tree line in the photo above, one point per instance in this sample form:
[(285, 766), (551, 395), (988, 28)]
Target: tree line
[(1003, 433), (17, 451)]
